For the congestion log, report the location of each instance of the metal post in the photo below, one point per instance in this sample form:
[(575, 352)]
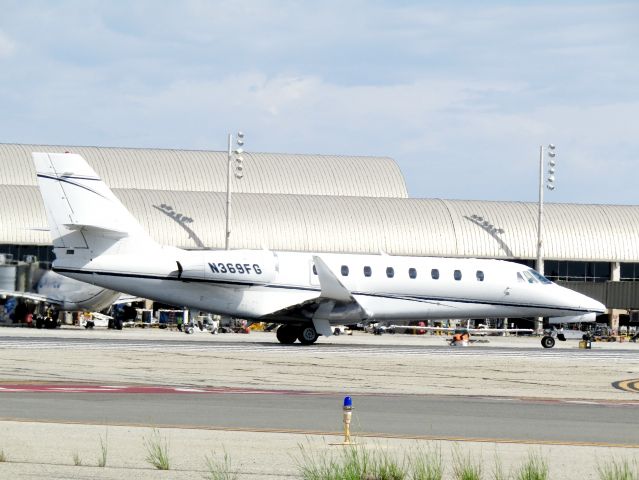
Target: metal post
[(228, 193), (539, 321), (540, 259)]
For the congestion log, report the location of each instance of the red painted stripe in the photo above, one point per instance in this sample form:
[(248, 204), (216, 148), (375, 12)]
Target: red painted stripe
[(74, 388)]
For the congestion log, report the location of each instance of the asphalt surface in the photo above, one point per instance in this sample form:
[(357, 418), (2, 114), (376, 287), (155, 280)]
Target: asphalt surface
[(405, 416), (205, 343), (63, 391)]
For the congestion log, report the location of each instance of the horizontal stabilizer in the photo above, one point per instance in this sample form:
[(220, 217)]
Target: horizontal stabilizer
[(113, 231), (34, 297)]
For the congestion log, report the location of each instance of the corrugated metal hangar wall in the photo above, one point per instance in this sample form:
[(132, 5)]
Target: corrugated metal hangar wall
[(313, 203)]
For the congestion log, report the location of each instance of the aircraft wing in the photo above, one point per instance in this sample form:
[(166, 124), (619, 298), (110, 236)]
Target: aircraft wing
[(124, 298), (425, 328), (35, 297), (469, 330), (500, 330), (334, 305)]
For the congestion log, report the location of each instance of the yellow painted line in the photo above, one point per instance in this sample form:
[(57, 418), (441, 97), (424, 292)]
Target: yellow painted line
[(631, 385), (292, 431)]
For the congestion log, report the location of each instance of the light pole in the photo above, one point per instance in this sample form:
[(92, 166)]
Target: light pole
[(549, 182), (238, 172)]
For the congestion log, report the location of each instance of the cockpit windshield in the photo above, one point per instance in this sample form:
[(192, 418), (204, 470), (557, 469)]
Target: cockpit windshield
[(539, 276), (532, 276)]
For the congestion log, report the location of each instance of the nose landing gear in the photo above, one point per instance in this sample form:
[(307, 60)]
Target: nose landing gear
[(547, 342)]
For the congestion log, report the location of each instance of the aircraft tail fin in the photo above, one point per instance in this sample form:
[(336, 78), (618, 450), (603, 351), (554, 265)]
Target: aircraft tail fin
[(85, 217)]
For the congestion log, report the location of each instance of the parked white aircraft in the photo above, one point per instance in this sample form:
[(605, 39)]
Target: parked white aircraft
[(98, 241), (67, 294)]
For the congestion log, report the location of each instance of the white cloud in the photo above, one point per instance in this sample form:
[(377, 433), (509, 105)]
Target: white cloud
[(442, 89), (7, 46)]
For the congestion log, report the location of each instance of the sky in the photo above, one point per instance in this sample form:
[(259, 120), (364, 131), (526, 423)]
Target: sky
[(461, 94)]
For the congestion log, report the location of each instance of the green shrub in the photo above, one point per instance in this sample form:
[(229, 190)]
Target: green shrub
[(618, 470), (535, 468), (157, 449), (221, 469)]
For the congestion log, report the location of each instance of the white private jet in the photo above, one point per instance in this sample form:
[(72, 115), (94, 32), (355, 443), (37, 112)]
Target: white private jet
[(67, 294), (96, 240)]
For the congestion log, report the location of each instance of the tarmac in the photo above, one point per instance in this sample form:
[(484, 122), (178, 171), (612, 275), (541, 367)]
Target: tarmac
[(362, 363)]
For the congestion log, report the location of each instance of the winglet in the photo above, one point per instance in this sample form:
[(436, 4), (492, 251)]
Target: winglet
[(331, 287)]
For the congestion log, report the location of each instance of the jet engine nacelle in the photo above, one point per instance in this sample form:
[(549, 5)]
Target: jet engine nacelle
[(233, 266)]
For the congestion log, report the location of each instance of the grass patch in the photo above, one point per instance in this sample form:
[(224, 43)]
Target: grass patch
[(157, 449), (3, 456), (221, 469), (352, 463), (388, 468), (464, 466), (618, 470), (104, 451), (498, 469), (534, 468), (427, 465), (77, 461)]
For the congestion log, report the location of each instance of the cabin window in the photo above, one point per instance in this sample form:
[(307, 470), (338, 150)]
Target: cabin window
[(457, 274), (412, 273), (367, 271), (520, 278), (344, 270), (480, 275), (314, 270), (390, 272), (434, 273)]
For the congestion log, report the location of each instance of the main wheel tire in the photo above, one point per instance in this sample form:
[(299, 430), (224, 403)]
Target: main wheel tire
[(547, 342), (307, 335), (286, 334)]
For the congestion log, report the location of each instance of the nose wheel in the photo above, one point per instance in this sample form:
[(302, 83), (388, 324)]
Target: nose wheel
[(547, 342)]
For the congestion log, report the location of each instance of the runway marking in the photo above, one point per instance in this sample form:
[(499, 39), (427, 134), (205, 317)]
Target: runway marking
[(326, 433), (142, 389), (627, 385), (41, 387)]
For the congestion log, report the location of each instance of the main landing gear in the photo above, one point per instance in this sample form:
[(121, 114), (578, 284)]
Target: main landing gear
[(287, 334)]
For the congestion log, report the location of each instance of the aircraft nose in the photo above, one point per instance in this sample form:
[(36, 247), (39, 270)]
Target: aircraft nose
[(591, 305), (578, 301)]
